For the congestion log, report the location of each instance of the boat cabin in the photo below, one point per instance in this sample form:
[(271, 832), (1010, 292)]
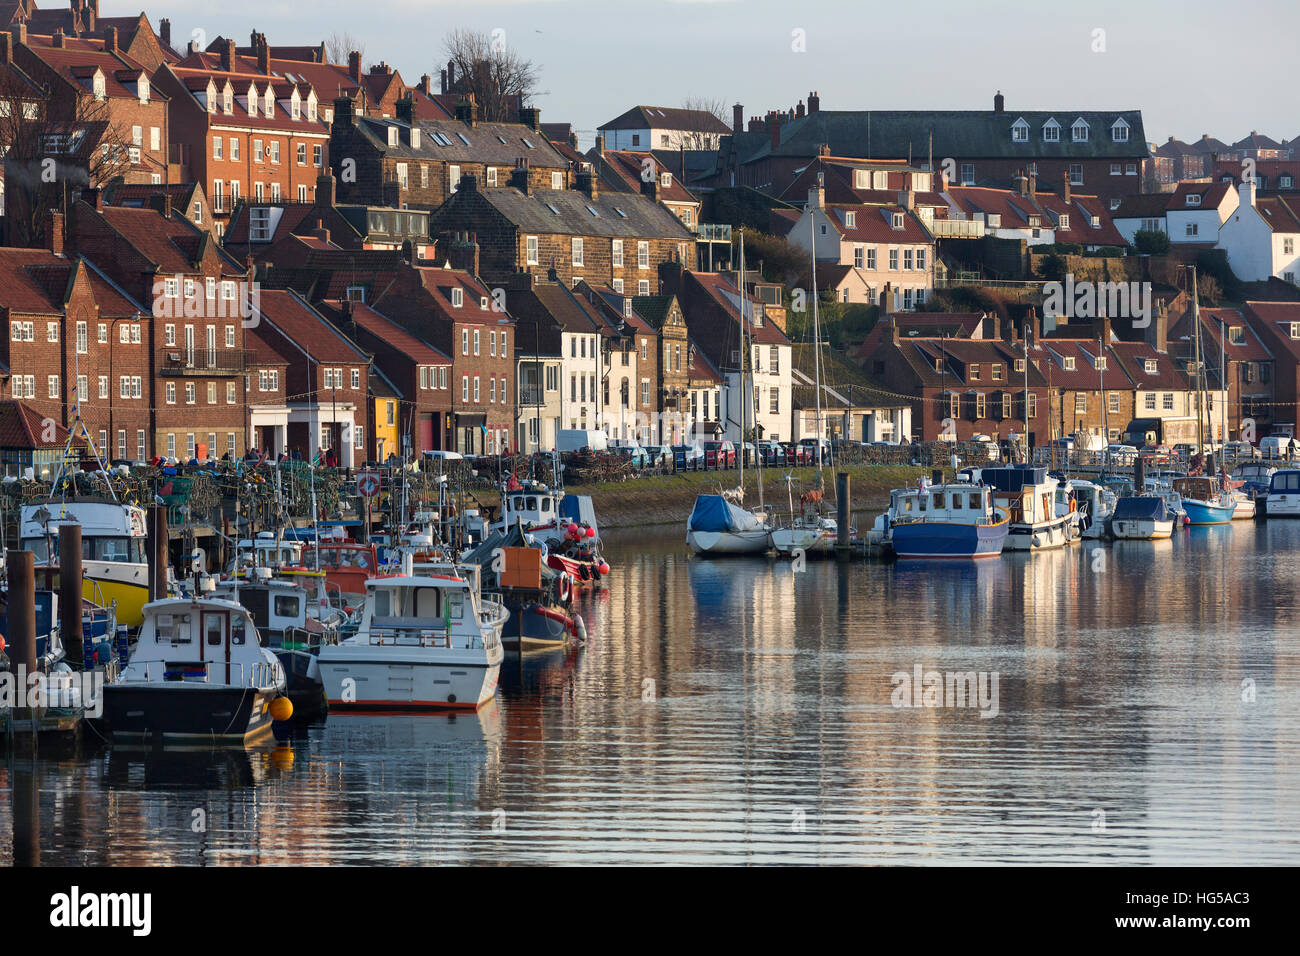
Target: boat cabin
[(205, 641), (110, 531), (961, 503)]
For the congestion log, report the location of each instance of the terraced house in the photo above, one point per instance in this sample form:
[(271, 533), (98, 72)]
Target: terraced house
[(418, 162), (618, 240)]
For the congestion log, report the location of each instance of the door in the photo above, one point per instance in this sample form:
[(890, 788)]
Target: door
[(426, 434), (216, 638)]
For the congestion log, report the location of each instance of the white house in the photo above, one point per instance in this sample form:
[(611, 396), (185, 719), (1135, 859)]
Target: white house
[(644, 128), (1141, 213), (1196, 210), (1262, 237)]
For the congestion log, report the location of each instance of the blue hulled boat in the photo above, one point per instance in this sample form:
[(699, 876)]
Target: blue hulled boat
[(955, 520), (1205, 501)]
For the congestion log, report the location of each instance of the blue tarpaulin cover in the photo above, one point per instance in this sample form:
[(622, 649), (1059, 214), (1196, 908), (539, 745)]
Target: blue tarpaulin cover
[(1013, 477), (715, 513), (1141, 507), (580, 509)]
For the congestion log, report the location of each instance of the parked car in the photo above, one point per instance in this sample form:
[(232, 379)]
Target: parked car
[(719, 454), (773, 453), (798, 454), (1118, 454), (634, 453), (1278, 446), (688, 457), (661, 456), (1157, 454)]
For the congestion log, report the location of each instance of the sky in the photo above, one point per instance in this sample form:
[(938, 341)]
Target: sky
[(1192, 67)]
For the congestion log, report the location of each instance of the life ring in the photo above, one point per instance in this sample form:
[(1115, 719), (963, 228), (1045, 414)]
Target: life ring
[(566, 588)]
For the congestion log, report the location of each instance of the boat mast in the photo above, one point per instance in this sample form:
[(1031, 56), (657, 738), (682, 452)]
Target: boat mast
[(744, 354), (1024, 344), (1200, 372), (1105, 417), (817, 344)]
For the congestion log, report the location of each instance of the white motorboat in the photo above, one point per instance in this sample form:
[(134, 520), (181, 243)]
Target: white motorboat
[(1028, 494), (1142, 517), (427, 639)]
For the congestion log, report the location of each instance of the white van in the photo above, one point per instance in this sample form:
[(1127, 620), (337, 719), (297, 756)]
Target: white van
[(1278, 446), (576, 439)]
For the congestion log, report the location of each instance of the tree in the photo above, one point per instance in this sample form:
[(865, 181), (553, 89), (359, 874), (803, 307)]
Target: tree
[(339, 45), (499, 79), (54, 144), (697, 130), (1151, 242)]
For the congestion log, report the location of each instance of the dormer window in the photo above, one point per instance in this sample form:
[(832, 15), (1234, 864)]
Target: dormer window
[(228, 99), (1119, 131), (1063, 222), (1285, 182), (1193, 199), (210, 97), (142, 89), (1020, 131), (1079, 131), (1096, 222), (665, 180), (1101, 363), (392, 136), (851, 219), (1068, 363), (898, 220), (457, 297), (98, 85), (861, 179), (295, 106), (268, 103), (311, 106), (1149, 366), (252, 100), (994, 220), (415, 137), (1051, 131), (1236, 335), (1295, 330), (1035, 222)]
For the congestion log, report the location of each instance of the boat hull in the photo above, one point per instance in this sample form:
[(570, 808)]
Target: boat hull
[(106, 583), (1282, 506), (534, 625), (187, 713), (1207, 513), (1041, 536), (365, 677), (926, 539), (809, 540), (728, 542), (1142, 529)]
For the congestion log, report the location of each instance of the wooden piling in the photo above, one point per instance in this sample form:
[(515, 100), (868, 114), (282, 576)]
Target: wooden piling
[(21, 567), (70, 592), (842, 508), (158, 550)]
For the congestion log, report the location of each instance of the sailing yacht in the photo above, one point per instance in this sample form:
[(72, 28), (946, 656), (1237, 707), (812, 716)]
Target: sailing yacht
[(718, 525)]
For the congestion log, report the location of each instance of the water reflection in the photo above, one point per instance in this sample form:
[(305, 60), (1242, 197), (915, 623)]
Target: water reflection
[(726, 711)]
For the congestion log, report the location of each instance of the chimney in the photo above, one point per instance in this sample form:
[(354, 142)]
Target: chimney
[(737, 119), (19, 33), (93, 197), (451, 76), (907, 199), (263, 51), (161, 203), (405, 108), (531, 117), (1033, 180), (343, 112), (320, 232), (468, 184), (887, 300), (816, 197), (325, 186), (1160, 328), (110, 40), (798, 110), (519, 176), (228, 56), (463, 252), (57, 39), (165, 31), (600, 144), (814, 103), (6, 48), (999, 102), (1021, 183), (88, 20), (650, 189), (1065, 186), (774, 129), (424, 85), (1246, 193), (442, 81), (54, 232), (354, 67)]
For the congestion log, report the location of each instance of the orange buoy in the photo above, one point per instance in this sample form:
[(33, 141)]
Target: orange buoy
[(281, 709)]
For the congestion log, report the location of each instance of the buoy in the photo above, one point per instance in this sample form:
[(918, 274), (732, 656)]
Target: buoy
[(591, 532), (2, 645), (581, 627), (604, 568), (281, 709)]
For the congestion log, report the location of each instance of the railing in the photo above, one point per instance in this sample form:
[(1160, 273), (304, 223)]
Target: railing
[(221, 361), (954, 282), (409, 637), (531, 395), (262, 674), (957, 228), (714, 232)]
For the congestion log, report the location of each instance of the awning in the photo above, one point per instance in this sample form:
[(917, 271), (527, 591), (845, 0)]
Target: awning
[(466, 420)]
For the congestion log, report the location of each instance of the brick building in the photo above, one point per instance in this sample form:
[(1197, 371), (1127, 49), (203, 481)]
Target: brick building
[(619, 240), (664, 314)]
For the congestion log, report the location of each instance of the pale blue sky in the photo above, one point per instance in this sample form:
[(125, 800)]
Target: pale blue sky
[(1192, 67)]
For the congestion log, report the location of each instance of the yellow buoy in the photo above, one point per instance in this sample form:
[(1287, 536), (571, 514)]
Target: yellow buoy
[(282, 758), (281, 708)]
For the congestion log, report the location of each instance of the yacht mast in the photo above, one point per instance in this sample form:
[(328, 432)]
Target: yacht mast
[(1200, 371)]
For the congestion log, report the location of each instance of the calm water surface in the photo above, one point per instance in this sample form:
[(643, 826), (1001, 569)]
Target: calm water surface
[(740, 711)]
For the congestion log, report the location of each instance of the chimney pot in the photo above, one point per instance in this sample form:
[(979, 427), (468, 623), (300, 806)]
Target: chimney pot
[(737, 118), (999, 102)]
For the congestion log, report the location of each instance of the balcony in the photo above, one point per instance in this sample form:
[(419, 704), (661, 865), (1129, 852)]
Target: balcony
[(205, 362), (713, 232), (531, 395), (957, 228)]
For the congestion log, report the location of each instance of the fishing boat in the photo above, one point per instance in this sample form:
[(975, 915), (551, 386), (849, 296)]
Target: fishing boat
[(1245, 505), (1028, 495), (956, 520), (1254, 478), (198, 674), (1283, 499), (1141, 517), (1096, 505), (426, 640), (538, 597), (1204, 500), (347, 564), (114, 567)]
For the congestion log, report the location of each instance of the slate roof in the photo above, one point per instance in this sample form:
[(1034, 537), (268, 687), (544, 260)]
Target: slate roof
[(668, 117), (1143, 206), (568, 212), (498, 144)]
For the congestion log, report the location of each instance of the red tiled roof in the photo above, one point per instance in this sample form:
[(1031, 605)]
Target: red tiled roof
[(721, 290), (21, 426), (1281, 214), (1250, 349), (172, 244), (874, 224), (701, 369), (33, 280), (1277, 318), (382, 327), (1211, 194), (306, 328)]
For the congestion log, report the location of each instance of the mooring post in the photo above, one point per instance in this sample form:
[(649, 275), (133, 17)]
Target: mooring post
[(157, 544), (70, 593), (842, 508), (21, 566)]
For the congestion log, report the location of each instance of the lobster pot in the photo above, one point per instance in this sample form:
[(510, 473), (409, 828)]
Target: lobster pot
[(201, 450)]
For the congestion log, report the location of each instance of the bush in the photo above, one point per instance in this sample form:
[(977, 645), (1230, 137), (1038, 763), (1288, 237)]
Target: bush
[(1052, 268), (1151, 242)]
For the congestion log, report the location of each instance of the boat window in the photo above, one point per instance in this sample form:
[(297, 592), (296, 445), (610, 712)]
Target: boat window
[(237, 630), (456, 601), (546, 504), (519, 504), (165, 627), (938, 499), (112, 549), (212, 628), (286, 605), (532, 504), (426, 602), (976, 500), (907, 505), (383, 606)]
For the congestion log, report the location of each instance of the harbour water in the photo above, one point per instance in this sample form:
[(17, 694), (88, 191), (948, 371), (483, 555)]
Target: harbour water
[(1147, 711)]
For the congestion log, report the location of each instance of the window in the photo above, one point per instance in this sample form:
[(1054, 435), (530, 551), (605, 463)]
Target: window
[(476, 341), (491, 175), (1149, 366), (893, 260), (1051, 131), (1063, 222), (968, 174), (212, 393), (1080, 403), (1020, 132), (907, 258), (1068, 363), (401, 175), (139, 444), (1119, 132), (359, 437), (1020, 365), (1193, 199), (643, 255), (1130, 169), (643, 287), (1288, 246), (356, 378), (458, 300), (557, 180), (897, 220), (1079, 131), (216, 147), (1167, 401), (1150, 401), (464, 388), (492, 391), (920, 261), (476, 391), (1112, 403), (577, 251), (871, 258), (103, 386), (1192, 229), (316, 152), (530, 246), (1076, 174), (190, 393), (230, 393), (859, 257), (54, 387)]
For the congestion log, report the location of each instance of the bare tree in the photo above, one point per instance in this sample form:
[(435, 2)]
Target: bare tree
[(699, 132), (499, 79), (339, 45), (54, 144)]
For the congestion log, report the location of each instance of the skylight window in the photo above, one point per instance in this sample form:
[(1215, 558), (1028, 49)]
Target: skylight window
[(527, 143), (620, 212), (502, 139), (463, 139), (592, 210), (552, 208)]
